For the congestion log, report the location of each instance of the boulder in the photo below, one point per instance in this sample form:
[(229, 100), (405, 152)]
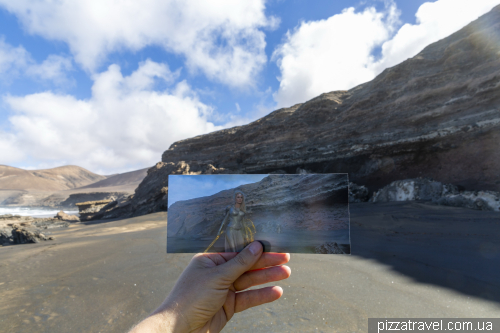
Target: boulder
[(22, 235), (424, 189), (481, 200), (66, 217), (358, 193)]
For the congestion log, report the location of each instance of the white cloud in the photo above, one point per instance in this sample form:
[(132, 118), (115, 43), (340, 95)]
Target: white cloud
[(337, 53), (16, 62), (332, 54), (125, 124), (435, 21), (221, 38), (12, 59), (54, 68)]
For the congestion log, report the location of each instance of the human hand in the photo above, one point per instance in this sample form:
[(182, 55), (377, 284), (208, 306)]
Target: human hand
[(210, 290)]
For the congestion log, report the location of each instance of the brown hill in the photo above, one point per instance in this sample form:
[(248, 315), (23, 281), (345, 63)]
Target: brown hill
[(56, 179), (123, 180)]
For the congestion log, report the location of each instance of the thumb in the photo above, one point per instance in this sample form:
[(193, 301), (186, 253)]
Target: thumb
[(235, 267)]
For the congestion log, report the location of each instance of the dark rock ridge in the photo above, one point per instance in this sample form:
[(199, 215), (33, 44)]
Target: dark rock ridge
[(276, 203), (434, 115)]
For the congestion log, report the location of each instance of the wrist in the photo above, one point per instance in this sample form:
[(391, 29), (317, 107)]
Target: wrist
[(164, 320)]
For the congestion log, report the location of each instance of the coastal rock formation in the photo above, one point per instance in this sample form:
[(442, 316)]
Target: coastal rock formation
[(481, 200), (66, 217), (413, 189), (152, 194), (276, 203), (21, 234), (88, 209), (434, 115), (442, 194)]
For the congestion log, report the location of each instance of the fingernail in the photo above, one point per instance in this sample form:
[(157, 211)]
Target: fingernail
[(254, 248)]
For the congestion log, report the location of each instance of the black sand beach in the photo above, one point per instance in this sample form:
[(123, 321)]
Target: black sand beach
[(408, 260)]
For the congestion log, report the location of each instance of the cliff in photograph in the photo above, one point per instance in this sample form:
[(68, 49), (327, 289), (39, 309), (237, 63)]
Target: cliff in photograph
[(436, 115), (276, 203)]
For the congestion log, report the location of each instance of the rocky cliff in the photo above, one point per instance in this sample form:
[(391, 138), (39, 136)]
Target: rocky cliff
[(301, 202), (434, 115)]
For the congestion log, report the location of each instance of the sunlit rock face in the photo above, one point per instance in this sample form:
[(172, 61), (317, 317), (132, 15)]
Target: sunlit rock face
[(277, 203), (434, 115)]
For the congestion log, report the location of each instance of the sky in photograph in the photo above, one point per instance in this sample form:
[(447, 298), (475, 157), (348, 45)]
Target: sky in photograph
[(185, 187), (109, 85)]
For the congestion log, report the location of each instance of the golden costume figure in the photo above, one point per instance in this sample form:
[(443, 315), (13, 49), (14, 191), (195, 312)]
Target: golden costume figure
[(239, 230)]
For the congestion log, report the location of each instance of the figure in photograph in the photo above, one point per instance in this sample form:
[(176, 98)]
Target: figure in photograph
[(238, 228)]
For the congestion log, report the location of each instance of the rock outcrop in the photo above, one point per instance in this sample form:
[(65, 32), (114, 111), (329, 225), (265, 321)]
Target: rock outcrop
[(284, 202), (434, 115), (424, 189), (152, 194), (66, 217), (358, 193), (89, 209)]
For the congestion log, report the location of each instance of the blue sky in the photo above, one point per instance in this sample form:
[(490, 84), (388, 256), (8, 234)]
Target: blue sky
[(109, 85), (185, 187)]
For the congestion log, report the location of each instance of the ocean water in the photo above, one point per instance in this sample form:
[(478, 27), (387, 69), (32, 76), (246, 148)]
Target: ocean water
[(34, 212)]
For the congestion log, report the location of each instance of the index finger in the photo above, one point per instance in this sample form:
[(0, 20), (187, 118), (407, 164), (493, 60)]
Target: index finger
[(268, 259)]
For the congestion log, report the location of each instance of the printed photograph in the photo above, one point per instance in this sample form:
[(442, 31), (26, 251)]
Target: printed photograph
[(301, 213)]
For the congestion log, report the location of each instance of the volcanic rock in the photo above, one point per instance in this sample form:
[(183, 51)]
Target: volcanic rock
[(358, 193), (481, 200), (22, 235), (277, 202), (414, 189), (152, 194), (66, 217), (434, 115), (88, 209)]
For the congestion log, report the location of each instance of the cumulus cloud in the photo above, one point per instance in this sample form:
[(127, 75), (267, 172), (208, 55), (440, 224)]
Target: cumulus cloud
[(125, 124), (16, 62), (54, 68), (435, 21), (221, 38), (12, 59), (337, 53)]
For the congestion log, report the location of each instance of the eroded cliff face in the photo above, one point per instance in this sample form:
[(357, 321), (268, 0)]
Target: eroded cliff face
[(434, 115), (276, 203)]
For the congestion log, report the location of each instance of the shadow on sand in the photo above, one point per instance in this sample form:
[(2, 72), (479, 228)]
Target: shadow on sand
[(451, 247)]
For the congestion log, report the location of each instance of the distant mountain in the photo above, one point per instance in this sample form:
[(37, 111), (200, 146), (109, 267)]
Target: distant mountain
[(56, 179), (130, 179)]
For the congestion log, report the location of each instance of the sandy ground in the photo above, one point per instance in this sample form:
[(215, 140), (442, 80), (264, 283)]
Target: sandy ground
[(409, 260)]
